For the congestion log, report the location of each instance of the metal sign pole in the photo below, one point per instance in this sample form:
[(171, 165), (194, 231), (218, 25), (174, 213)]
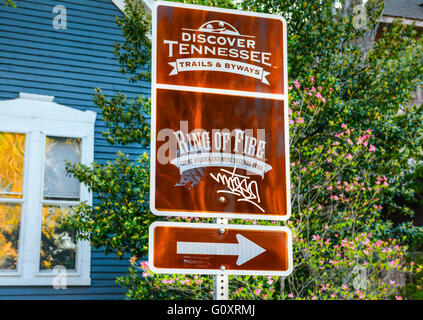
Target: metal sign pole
[(221, 281)]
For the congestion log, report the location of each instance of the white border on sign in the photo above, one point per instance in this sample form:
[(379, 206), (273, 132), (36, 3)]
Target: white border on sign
[(156, 86), (217, 227)]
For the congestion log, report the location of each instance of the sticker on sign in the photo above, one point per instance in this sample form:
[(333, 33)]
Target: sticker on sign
[(196, 248)]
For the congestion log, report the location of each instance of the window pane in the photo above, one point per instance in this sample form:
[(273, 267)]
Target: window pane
[(10, 215), (12, 146), (57, 185), (58, 245)]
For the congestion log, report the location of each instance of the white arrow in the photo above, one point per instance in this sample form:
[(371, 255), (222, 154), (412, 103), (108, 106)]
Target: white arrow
[(245, 249)]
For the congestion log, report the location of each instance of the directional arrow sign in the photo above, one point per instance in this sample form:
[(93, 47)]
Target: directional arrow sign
[(215, 248), (244, 249)]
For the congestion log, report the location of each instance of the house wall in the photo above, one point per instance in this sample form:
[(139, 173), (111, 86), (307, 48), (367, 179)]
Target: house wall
[(68, 64)]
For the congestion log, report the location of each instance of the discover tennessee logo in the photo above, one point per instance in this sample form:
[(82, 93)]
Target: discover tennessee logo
[(225, 46)]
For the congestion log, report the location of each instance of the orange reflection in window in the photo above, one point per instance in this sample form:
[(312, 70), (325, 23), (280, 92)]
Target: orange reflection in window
[(12, 146), (10, 215)]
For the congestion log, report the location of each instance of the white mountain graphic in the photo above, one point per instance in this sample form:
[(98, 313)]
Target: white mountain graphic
[(217, 26)]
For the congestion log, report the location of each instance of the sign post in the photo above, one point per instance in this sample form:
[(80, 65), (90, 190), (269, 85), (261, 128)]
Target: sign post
[(219, 141), (221, 281)]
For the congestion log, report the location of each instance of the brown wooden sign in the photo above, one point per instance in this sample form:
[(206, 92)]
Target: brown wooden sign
[(219, 145), (216, 249)]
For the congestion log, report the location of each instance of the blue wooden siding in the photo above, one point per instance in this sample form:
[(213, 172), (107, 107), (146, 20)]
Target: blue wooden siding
[(68, 64)]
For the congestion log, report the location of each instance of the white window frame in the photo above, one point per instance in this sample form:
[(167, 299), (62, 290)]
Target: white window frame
[(38, 117)]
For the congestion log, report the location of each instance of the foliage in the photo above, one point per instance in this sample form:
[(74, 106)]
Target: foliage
[(360, 271), (352, 134), (127, 123), (134, 54), (414, 288), (375, 82), (341, 250), (120, 219), (9, 3)]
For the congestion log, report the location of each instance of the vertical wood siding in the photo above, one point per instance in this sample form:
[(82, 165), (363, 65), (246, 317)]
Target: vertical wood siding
[(68, 64)]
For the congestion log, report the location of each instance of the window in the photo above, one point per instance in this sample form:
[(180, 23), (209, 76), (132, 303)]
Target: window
[(37, 137), (60, 193), (11, 196)]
